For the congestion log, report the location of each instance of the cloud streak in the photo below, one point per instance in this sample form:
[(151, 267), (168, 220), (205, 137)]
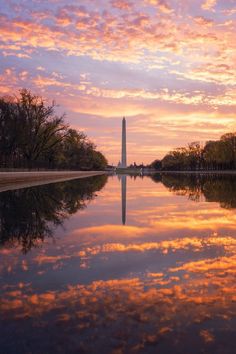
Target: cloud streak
[(148, 58)]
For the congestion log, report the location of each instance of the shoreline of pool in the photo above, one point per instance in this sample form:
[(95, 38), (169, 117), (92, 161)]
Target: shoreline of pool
[(17, 180)]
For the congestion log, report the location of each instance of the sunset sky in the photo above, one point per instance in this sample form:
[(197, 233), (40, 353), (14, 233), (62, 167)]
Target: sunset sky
[(168, 66)]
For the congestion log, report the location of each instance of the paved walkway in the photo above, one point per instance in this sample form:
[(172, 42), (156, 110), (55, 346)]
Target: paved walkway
[(16, 180)]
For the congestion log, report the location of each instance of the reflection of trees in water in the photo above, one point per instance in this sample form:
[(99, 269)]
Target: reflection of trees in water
[(29, 215), (215, 188)]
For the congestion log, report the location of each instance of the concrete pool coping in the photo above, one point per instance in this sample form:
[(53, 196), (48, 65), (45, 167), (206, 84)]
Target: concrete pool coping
[(17, 180)]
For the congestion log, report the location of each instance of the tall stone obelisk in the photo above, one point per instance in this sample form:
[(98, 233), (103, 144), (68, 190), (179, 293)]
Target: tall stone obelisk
[(123, 153)]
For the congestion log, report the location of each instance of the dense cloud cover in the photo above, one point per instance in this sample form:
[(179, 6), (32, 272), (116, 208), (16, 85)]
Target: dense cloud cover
[(168, 66)]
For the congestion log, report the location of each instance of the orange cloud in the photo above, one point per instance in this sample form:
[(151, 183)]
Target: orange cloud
[(162, 5), (157, 60), (121, 4), (209, 4)]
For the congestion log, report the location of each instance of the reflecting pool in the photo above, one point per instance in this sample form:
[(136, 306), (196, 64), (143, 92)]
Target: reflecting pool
[(119, 264)]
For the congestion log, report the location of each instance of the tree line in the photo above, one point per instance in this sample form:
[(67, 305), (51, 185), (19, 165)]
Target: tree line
[(214, 155), (32, 135)]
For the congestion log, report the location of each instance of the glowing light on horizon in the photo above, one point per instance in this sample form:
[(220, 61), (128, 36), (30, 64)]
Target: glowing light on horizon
[(104, 60)]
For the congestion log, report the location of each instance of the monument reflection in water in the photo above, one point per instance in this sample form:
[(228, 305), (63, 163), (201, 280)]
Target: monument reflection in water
[(123, 197), (162, 282)]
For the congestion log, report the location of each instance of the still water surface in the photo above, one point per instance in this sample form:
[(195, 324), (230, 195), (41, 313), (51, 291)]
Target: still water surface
[(119, 265)]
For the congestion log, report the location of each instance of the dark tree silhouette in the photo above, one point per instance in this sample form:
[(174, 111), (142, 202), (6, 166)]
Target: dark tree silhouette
[(215, 188), (215, 155), (33, 136)]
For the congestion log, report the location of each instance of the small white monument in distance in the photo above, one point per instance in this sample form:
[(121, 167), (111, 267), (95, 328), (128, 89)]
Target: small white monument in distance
[(123, 152)]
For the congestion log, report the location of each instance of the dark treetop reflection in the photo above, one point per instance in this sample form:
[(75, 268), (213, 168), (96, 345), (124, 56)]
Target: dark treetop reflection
[(29, 215), (162, 283), (215, 188)]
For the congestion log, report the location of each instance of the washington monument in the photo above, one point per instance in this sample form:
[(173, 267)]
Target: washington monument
[(123, 152)]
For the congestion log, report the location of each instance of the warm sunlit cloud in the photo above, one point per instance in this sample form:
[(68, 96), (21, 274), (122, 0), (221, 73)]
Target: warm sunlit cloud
[(157, 59), (209, 4)]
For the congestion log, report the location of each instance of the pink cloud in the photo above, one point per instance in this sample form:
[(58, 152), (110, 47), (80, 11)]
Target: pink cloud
[(175, 69), (209, 4), (121, 4)]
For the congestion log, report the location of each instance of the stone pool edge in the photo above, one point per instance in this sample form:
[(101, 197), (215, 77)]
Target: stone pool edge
[(17, 180)]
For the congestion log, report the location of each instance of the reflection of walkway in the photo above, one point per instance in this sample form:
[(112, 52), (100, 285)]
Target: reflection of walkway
[(123, 198)]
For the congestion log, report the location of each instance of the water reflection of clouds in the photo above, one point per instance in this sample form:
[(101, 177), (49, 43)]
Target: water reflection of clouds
[(158, 307), (166, 280)]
